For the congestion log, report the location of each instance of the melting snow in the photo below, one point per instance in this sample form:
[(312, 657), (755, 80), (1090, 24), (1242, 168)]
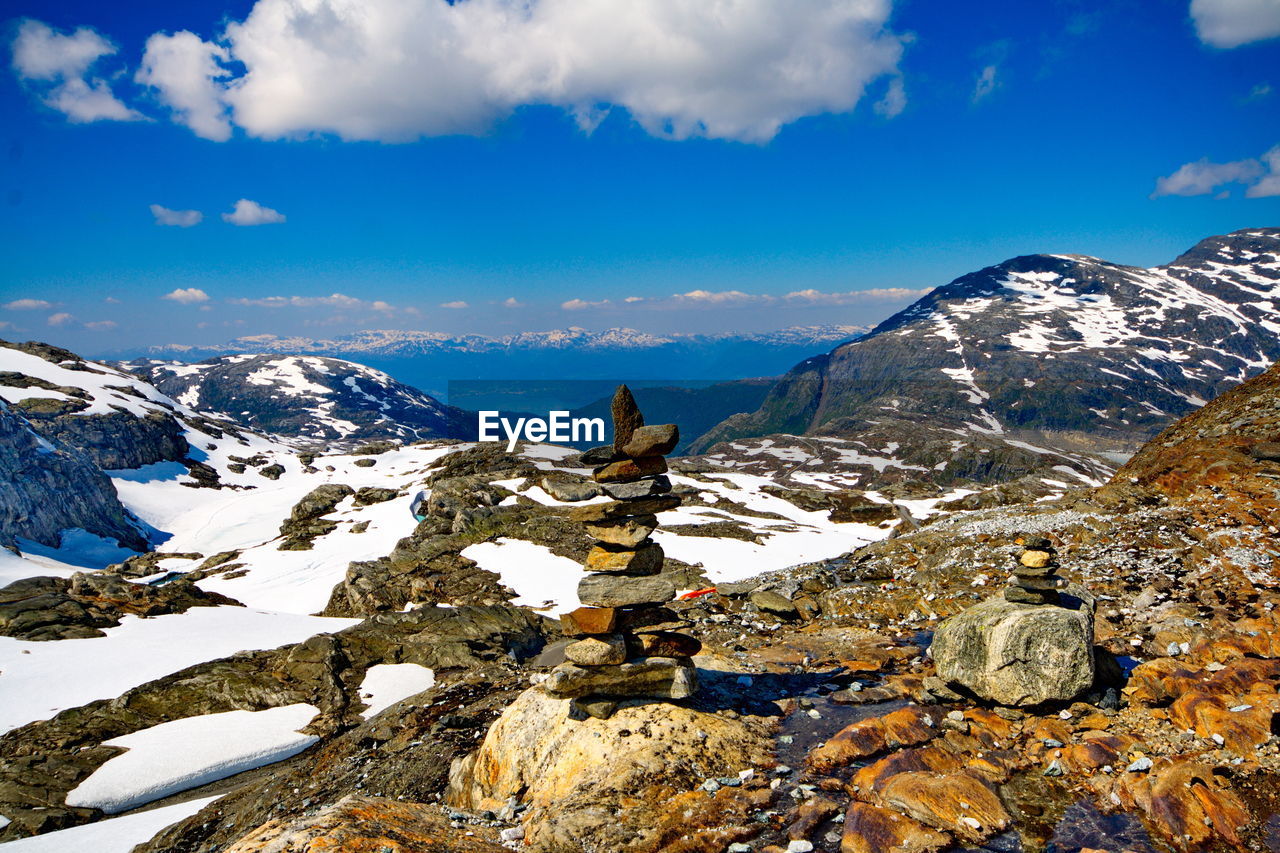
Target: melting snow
[(194, 751), (388, 683)]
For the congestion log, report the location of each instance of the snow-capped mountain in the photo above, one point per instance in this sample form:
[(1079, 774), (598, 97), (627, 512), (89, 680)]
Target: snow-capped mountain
[(75, 433), (1055, 347), (306, 397)]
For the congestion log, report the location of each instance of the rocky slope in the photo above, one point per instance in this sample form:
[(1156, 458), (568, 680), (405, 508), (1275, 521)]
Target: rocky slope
[(47, 487), (319, 400), (821, 724), (1063, 352), (109, 415)]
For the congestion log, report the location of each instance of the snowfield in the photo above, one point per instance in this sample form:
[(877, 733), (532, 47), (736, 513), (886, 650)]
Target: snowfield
[(194, 751), (39, 679), (385, 684), (117, 835)]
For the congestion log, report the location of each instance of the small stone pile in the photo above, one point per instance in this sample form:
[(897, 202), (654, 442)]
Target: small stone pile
[(1035, 577), (626, 642)]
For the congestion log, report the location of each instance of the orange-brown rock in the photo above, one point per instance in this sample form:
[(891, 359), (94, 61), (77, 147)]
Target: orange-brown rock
[(1159, 681), (627, 470), (1094, 753), (871, 829), (606, 784), (644, 559), (628, 531), (1241, 729), (872, 777), (810, 814), (905, 727), (956, 802), (359, 824), (996, 765), (589, 620), (1185, 802), (991, 729)]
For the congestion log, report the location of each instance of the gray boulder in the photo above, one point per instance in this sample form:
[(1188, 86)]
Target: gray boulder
[(1019, 654)]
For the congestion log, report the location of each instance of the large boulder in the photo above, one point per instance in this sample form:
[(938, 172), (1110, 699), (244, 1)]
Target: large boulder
[(1019, 654), (596, 784)]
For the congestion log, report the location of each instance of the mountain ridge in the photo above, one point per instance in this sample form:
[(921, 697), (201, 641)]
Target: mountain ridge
[(1065, 345)]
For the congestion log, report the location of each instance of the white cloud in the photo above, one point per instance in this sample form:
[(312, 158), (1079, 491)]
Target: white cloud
[(185, 70), (187, 295), (393, 71), (101, 325), (1231, 23), (723, 297), (177, 218), (985, 84), (512, 302), (631, 299), (56, 65), (1203, 177), (1258, 92), (1269, 184), (334, 300), (580, 304), (856, 297), (455, 304), (894, 100), (61, 319), (27, 305), (5, 324), (248, 212)]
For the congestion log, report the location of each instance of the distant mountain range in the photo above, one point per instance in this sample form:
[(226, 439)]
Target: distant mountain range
[(305, 397), (1041, 354), (430, 360)]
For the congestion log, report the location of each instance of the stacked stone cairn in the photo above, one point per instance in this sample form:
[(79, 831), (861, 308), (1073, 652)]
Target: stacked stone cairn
[(1035, 577), (626, 642)]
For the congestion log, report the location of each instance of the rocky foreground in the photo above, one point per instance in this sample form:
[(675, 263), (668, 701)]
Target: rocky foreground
[(822, 722)]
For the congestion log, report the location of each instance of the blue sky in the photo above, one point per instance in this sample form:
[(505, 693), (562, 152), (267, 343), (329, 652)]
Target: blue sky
[(747, 171)]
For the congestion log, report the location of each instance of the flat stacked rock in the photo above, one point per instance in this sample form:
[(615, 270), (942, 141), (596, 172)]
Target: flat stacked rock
[(627, 643), (1035, 577)]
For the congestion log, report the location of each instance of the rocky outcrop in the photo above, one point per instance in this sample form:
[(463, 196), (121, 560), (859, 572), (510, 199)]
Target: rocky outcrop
[(49, 608), (358, 823), (307, 522), (117, 439), (600, 783), (1019, 654), (47, 487), (41, 761)]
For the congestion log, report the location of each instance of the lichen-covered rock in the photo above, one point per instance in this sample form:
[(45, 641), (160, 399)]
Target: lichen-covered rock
[(358, 823), (602, 784), (306, 522), (1018, 654)]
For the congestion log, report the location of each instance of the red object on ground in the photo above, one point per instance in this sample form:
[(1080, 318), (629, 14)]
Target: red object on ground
[(697, 593)]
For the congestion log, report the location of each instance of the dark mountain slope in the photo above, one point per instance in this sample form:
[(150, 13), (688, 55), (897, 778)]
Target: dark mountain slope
[(1048, 347), (306, 397)]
